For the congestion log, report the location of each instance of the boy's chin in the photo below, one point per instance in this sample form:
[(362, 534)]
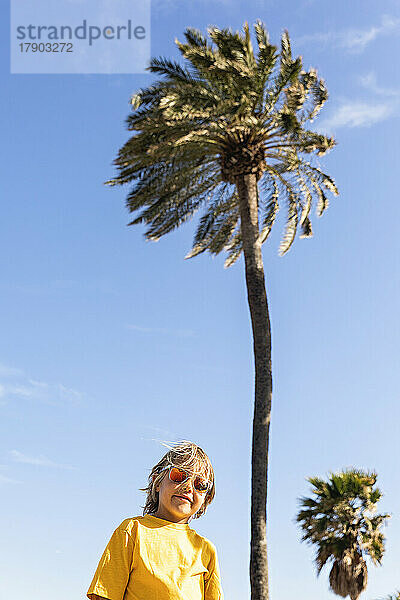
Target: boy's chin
[(183, 510)]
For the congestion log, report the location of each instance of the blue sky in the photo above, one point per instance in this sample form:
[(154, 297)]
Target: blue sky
[(110, 344)]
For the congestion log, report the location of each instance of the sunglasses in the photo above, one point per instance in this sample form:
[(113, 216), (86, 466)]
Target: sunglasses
[(178, 475)]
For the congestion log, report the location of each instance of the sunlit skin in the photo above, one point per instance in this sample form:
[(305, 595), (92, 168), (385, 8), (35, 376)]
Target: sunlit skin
[(172, 504)]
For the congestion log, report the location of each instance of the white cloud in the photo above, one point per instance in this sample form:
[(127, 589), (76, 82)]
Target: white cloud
[(358, 39), (6, 371), (357, 114), (4, 480), (40, 461), (363, 113), (15, 385), (370, 83), (354, 40)]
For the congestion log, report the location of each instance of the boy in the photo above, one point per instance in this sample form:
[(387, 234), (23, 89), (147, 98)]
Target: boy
[(158, 556)]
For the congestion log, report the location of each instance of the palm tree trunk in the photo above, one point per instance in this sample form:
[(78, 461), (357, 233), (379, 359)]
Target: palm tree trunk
[(257, 298)]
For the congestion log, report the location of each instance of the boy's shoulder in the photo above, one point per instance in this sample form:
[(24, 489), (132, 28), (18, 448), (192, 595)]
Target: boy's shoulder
[(205, 542), (130, 524)]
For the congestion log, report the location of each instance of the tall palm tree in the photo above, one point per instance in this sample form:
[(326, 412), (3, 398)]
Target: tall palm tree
[(226, 133), (340, 521)]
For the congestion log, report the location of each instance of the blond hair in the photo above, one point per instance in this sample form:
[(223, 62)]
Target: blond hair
[(188, 456)]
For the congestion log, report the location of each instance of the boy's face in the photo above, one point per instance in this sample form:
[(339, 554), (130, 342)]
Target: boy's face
[(177, 502)]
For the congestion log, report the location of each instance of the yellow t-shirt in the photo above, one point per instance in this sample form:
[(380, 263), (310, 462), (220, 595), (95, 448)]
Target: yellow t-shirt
[(148, 558)]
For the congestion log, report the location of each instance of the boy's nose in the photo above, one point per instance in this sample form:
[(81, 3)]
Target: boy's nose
[(188, 485)]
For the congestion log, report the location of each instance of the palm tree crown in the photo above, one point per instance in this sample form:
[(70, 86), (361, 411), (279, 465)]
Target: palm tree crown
[(340, 521), (228, 113)]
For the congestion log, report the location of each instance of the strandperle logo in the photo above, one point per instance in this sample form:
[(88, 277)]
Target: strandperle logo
[(87, 32), (80, 36)]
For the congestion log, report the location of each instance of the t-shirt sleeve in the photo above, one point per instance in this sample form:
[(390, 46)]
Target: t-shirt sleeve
[(212, 581), (113, 571)]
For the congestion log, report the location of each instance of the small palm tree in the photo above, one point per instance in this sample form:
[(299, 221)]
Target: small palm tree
[(395, 596), (340, 521), (227, 134)]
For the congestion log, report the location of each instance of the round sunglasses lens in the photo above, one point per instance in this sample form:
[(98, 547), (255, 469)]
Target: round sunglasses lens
[(177, 475), (201, 485)]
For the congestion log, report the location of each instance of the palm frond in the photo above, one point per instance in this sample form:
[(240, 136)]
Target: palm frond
[(194, 37), (270, 210), (234, 248), (266, 58), (291, 224), (170, 68), (216, 226)]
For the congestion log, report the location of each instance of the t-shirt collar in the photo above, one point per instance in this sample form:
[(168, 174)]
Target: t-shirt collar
[(165, 523)]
